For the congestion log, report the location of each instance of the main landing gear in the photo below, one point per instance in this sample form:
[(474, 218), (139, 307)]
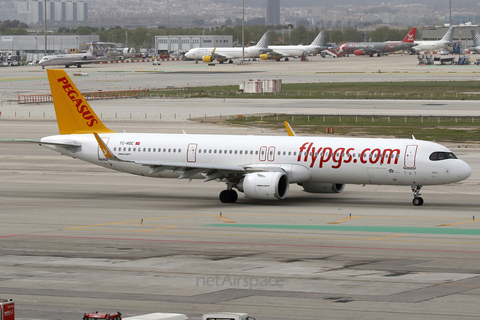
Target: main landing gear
[(417, 200), (228, 196)]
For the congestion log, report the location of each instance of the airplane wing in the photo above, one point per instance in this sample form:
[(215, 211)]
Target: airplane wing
[(277, 54), (211, 172), (81, 61), (219, 56)]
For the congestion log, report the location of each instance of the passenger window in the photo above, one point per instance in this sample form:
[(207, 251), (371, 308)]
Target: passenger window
[(114, 148), (168, 150), (148, 149), (179, 150), (134, 149), (164, 149), (289, 152), (210, 151), (154, 149), (235, 151), (199, 150), (256, 151), (241, 151), (174, 150), (230, 151), (215, 151), (128, 149), (220, 151)]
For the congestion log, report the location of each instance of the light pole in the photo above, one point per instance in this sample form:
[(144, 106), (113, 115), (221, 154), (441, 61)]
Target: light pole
[(243, 31)]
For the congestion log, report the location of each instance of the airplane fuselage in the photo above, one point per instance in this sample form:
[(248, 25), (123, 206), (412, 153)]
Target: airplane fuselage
[(304, 159), (430, 45), (66, 59), (374, 47)]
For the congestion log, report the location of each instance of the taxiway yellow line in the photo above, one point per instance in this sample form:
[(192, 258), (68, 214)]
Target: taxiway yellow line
[(344, 220), (454, 223), (224, 219), (386, 237)]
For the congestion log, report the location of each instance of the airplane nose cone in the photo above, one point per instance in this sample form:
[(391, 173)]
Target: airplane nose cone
[(464, 170)]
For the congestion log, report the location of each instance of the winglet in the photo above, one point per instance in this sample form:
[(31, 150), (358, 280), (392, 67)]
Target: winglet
[(74, 114), (290, 131), (105, 150)]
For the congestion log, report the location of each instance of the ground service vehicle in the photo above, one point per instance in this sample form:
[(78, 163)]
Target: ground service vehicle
[(7, 309)]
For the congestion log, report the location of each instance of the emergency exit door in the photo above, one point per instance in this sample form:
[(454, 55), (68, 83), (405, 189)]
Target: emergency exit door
[(410, 156)]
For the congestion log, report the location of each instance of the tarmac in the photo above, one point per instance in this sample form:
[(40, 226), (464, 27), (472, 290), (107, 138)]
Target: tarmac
[(77, 238)]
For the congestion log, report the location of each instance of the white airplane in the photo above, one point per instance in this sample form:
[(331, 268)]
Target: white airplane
[(445, 42), (70, 59), (262, 167), (279, 52), (222, 54), (476, 41)]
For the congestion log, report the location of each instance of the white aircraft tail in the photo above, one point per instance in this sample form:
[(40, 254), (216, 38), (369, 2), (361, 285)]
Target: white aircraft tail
[(92, 47), (476, 38), (320, 39), (448, 37), (264, 40)]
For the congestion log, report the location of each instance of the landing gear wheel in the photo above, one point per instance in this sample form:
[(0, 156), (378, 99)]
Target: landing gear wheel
[(417, 201), (286, 59), (228, 196)]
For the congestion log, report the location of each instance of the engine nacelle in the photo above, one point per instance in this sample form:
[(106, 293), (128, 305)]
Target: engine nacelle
[(265, 185), (207, 59), (264, 56), (313, 187), (129, 52), (358, 52)]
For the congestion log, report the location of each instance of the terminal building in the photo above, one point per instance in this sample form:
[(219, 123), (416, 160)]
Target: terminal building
[(35, 44), (184, 43)]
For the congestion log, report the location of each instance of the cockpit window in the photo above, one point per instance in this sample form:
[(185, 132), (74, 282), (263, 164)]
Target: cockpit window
[(442, 156)]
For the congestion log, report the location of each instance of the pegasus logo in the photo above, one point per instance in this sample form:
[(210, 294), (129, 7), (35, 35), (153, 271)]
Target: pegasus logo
[(410, 37), (76, 99)]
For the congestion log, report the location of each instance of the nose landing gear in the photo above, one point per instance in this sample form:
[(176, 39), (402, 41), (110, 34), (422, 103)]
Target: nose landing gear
[(417, 200)]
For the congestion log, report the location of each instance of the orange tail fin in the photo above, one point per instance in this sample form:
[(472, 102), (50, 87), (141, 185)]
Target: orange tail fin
[(74, 114)]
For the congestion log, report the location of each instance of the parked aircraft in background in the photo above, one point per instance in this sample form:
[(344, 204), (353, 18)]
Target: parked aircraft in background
[(223, 54), (72, 59), (262, 167), (372, 48), (445, 42), (476, 41), (279, 52)]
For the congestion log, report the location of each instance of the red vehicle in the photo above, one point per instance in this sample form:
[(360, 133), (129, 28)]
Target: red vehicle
[(95, 316)]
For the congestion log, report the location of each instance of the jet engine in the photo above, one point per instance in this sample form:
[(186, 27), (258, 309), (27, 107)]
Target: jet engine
[(129, 53), (358, 52), (313, 187), (264, 56), (207, 59), (264, 185)]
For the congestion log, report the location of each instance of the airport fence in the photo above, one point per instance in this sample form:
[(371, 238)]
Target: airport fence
[(95, 95), (323, 95)]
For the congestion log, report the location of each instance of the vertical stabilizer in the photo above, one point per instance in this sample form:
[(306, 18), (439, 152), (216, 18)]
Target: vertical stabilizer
[(448, 37), (263, 42), (476, 38), (74, 114), (320, 39), (410, 36)]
